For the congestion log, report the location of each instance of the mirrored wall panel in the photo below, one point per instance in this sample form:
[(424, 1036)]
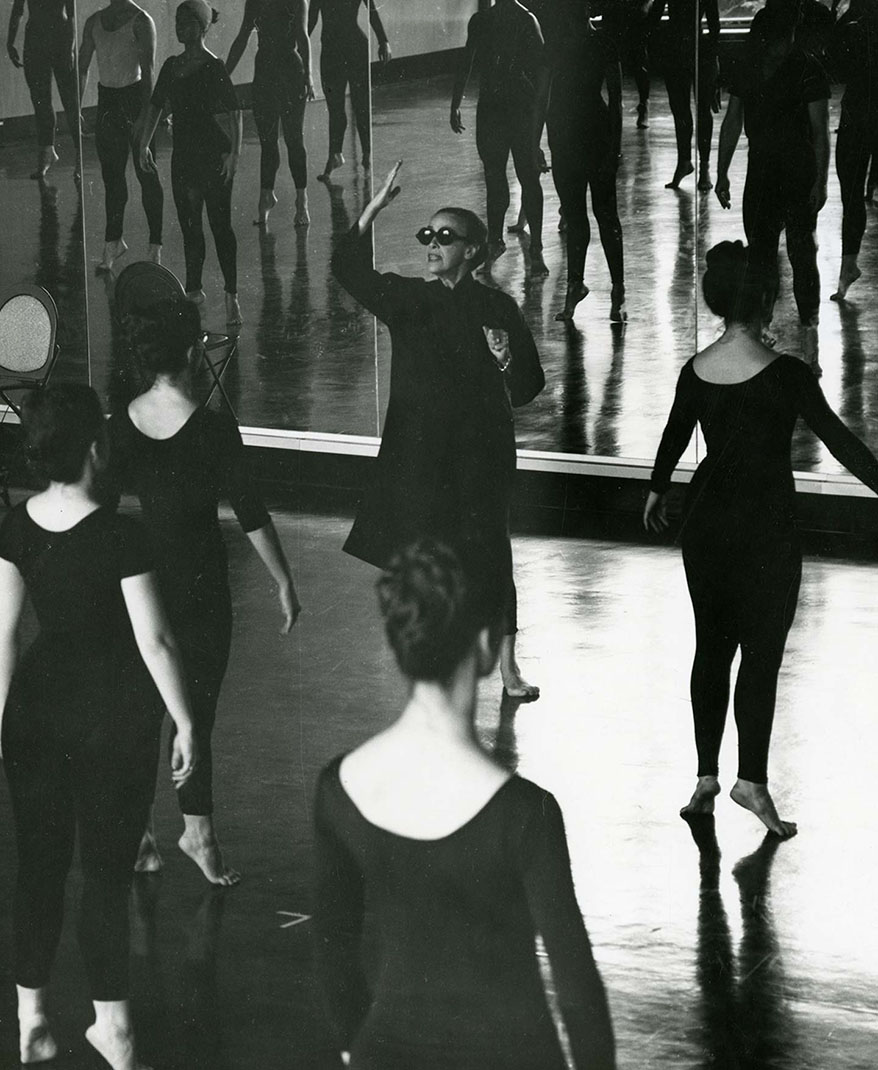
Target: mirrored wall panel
[(41, 213), (458, 113), (305, 351)]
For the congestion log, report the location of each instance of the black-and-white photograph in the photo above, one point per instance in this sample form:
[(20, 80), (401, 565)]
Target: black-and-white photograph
[(438, 537)]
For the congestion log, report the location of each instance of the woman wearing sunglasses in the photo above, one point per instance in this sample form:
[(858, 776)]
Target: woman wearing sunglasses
[(463, 357)]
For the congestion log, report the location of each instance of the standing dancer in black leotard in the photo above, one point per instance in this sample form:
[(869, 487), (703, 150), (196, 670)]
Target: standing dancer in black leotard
[(282, 86), (780, 96), (436, 869), (463, 357), (123, 36), (684, 43), (344, 61), (181, 458), (853, 57), (585, 133), (506, 44), (49, 50), (81, 716), (740, 535), (628, 23), (205, 156)]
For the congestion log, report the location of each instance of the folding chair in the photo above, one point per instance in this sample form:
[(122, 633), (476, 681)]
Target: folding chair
[(144, 284), (28, 322)]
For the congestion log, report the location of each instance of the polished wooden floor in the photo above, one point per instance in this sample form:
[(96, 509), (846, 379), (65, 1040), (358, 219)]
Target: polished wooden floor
[(729, 954), (307, 352)]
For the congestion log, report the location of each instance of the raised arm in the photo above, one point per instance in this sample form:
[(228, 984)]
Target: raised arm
[(729, 135), (12, 33), (338, 923), (242, 39), (158, 648), (464, 70), (12, 594), (555, 912)]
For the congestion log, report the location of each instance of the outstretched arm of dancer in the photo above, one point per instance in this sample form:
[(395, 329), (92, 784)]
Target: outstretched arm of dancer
[(12, 594), (379, 31), (158, 648), (14, 22), (818, 116), (464, 70), (729, 136), (239, 45)]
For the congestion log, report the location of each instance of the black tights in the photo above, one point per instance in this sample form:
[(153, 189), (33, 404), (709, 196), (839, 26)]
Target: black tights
[(499, 131), (192, 193), (745, 599), (279, 102), (342, 65), (680, 82), (98, 784), (854, 147), (118, 110), (46, 55), (575, 172)]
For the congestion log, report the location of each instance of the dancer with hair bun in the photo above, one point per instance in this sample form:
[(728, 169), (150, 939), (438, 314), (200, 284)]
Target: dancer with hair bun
[(206, 150), (444, 866), (739, 531), (463, 357), (81, 716), (181, 458)]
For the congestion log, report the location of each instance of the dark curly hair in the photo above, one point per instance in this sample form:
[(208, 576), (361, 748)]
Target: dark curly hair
[(435, 600), (61, 423), (160, 338), (734, 288)]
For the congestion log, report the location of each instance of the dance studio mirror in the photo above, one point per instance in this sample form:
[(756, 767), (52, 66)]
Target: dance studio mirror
[(40, 199), (306, 351)]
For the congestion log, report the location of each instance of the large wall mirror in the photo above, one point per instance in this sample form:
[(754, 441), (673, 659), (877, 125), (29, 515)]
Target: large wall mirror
[(309, 359)]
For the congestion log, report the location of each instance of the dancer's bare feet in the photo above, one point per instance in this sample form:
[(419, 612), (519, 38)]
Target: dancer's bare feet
[(45, 158), (618, 314), (705, 183), (576, 292), (154, 253), (199, 842), (850, 272), (643, 115), (148, 858), (112, 251), (514, 684), (233, 311), (757, 799), (702, 801), (116, 1046), (538, 266), (496, 249), (520, 224), (334, 161), (267, 201), (36, 1043), (683, 169), (197, 297), (302, 218)]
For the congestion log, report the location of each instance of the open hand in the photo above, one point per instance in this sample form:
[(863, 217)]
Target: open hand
[(655, 513), (456, 122), (230, 166), (308, 90)]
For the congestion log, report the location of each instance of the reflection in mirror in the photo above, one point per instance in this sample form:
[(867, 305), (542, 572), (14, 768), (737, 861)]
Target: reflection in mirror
[(237, 229), (457, 104), (793, 175), (39, 169)]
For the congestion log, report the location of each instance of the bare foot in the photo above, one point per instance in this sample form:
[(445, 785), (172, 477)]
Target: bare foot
[(576, 292), (334, 161), (515, 686), (618, 314), (154, 253), (848, 275), (112, 251), (206, 854), (495, 249), (518, 227), (267, 201), (702, 801), (47, 156), (233, 311), (197, 297), (538, 266), (116, 1046), (757, 799), (302, 218), (148, 858), (643, 116), (705, 183), (36, 1043), (683, 169)]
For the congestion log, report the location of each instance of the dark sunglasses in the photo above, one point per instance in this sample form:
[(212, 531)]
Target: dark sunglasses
[(444, 236)]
